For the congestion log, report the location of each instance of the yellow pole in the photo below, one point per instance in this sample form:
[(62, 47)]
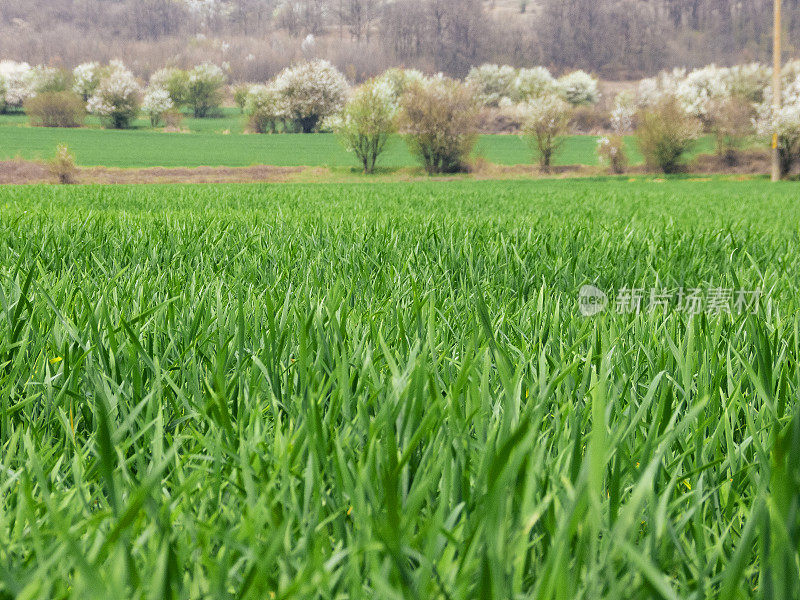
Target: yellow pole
[(776, 88)]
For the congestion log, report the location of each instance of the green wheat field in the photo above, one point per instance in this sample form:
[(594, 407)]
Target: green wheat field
[(389, 392), (203, 144)]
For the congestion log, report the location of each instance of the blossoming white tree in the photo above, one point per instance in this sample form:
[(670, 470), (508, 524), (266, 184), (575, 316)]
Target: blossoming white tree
[(156, 103), (611, 148), (367, 122), (399, 80), (747, 82), (86, 79), (545, 123), (18, 82), (312, 91), (175, 81), (266, 108), (579, 88), (492, 83), (48, 79), (204, 89), (654, 90), (116, 99), (701, 88), (533, 83), (623, 113)]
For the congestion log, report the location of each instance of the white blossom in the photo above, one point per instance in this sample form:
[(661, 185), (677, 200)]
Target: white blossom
[(312, 90), (204, 88), (18, 82), (623, 112), (309, 45), (86, 78), (579, 88), (782, 121), (399, 80), (161, 78), (545, 111), (700, 88), (266, 107), (608, 151), (156, 102), (42, 78), (785, 121), (207, 72), (545, 123), (492, 83), (654, 89), (790, 72), (117, 96), (748, 81), (533, 83)]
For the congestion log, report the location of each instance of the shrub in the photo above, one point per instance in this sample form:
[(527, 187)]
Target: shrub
[(439, 120), (48, 79), (731, 121), (265, 108), (666, 133), (367, 122), (85, 79), (116, 99), (175, 81), (787, 126), (204, 89), (62, 167), (312, 91), (492, 83), (611, 152), (173, 119), (56, 109), (156, 103), (546, 122), (579, 88), (3, 87), (240, 95), (534, 83)]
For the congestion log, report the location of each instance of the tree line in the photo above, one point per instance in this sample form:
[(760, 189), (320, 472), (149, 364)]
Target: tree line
[(617, 39)]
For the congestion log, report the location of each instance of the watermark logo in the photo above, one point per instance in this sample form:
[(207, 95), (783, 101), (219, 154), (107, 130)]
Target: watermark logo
[(634, 301), (592, 300)]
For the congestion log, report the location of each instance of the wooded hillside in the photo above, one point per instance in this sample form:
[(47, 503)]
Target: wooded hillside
[(617, 39)]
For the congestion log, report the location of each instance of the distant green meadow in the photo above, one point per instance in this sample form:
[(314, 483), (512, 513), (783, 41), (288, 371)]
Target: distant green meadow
[(390, 391), (220, 142)]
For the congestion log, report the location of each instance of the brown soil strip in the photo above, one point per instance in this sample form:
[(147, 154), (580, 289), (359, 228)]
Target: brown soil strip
[(24, 172), (18, 171)]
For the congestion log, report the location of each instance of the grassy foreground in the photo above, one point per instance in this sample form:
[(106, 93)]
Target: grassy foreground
[(388, 392), (204, 144)]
